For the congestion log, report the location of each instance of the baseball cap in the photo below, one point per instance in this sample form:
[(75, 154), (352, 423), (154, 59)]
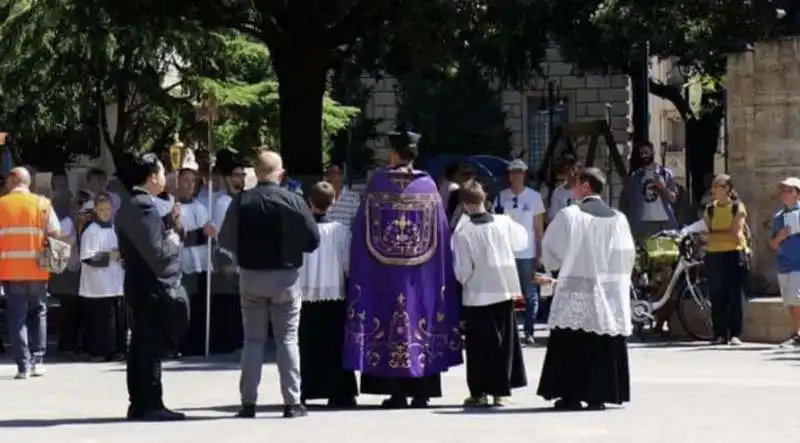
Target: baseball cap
[(791, 182), (517, 165)]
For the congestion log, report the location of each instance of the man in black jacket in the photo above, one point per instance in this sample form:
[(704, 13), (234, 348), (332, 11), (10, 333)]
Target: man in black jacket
[(157, 303), (267, 229)]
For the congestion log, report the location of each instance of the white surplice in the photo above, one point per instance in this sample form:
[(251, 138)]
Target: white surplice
[(592, 247), (100, 282), (194, 259), (322, 276), (483, 258)]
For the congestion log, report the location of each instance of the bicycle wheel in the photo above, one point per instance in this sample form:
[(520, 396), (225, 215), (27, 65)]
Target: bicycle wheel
[(694, 313)]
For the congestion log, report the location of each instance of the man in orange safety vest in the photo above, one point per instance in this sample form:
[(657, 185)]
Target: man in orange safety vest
[(25, 221)]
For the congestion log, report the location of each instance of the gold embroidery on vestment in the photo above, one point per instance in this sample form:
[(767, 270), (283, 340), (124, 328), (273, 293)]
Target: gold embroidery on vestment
[(394, 344), (407, 237)]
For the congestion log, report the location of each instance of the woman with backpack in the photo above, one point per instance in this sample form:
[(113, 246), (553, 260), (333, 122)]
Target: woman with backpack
[(726, 259)]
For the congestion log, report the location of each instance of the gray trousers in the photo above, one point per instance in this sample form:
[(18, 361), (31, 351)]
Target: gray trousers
[(270, 297), (26, 314)]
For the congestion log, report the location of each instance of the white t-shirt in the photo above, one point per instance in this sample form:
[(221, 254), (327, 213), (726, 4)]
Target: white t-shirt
[(653, 208), (523, 209), (97, 282)]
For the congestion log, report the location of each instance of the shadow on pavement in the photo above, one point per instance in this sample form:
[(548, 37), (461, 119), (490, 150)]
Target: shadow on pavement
[(312, 407), (746, 347), (512, 410), (668, 344), (82, 421)]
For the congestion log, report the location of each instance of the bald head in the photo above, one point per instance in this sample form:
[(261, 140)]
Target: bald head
[(269, 166), (17, 177)]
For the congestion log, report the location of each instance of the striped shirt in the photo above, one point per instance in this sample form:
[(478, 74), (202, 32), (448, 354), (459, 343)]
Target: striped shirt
[(345, 207)]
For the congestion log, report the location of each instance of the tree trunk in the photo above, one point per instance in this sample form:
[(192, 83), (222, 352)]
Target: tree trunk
[(702, 137), (302, 78)]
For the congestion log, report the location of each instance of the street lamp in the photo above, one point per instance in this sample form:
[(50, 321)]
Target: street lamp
[(208, 111)]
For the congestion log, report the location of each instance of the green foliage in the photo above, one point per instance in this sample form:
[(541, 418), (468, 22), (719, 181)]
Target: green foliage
[(67, 60), (457, 110)]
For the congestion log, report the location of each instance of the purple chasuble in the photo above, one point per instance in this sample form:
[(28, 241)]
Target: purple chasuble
[(402, 301)]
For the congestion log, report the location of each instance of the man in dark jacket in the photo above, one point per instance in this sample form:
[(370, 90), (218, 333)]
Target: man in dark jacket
[(157, 304), (267, 229)]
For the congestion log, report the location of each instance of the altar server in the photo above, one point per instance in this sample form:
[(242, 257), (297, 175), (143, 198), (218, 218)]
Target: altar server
[(483, 255), (195, 228), (322, 317), (591, 246), (101, 285), (226, 310), (402, 326)]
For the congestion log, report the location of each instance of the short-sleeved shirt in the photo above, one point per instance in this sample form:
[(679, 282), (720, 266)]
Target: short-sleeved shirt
[(721, 221), (522, 208), (788, 259)]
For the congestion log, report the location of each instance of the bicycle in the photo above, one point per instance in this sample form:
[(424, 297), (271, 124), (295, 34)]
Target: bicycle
[(685, 292)]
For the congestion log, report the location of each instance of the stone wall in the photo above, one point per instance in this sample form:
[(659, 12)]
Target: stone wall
[(764, 134), (585, 100)]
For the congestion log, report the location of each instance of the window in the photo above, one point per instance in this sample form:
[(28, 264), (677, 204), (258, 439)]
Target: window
[(539, 127)]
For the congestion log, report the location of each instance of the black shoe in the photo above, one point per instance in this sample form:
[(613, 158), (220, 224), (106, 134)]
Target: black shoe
[(395, 402), (596, 407), (134, 413), (294, 411), (567, 405), (247, 411), (419, 403), (162, 415)]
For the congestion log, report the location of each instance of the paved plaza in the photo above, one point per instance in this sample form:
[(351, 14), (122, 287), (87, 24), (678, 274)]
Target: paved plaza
[(682, 393)]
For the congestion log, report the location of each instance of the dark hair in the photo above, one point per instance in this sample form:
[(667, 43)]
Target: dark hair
[(139, 167), (406, 153), (472, 193), (96, 173), (645, 144), (594, 177), (322, 195), (102, 197), (451, 170), (181, 171)]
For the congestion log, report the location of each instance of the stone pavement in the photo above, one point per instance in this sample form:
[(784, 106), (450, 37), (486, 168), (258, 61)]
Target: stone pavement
[(682, 393)]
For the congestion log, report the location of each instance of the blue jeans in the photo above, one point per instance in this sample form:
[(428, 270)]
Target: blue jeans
[(26, 314), (529, 291)]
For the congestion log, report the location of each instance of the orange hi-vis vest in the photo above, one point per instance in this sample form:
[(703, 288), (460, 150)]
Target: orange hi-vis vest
[(23, 218)]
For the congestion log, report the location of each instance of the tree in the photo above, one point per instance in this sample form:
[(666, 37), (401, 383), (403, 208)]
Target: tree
[(305, 38), (151, 77), (697, 35), (457, 110)]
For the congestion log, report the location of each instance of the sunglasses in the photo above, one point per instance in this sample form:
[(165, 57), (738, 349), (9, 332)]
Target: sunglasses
[(515, 201)]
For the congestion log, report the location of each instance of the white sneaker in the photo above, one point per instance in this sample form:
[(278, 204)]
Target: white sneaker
[(22, 375), (38, 370)]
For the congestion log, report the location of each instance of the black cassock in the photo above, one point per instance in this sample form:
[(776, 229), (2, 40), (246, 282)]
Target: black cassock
[(585, 366), (321, 336), (495, 364)]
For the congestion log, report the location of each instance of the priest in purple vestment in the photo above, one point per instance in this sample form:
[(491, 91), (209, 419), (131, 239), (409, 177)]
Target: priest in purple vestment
[(402, 327)]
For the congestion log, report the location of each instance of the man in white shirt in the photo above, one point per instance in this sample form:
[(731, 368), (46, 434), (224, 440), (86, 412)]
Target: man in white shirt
[(346, 204), (483, 259), (196, 227), (591, 246), (525, 206)]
